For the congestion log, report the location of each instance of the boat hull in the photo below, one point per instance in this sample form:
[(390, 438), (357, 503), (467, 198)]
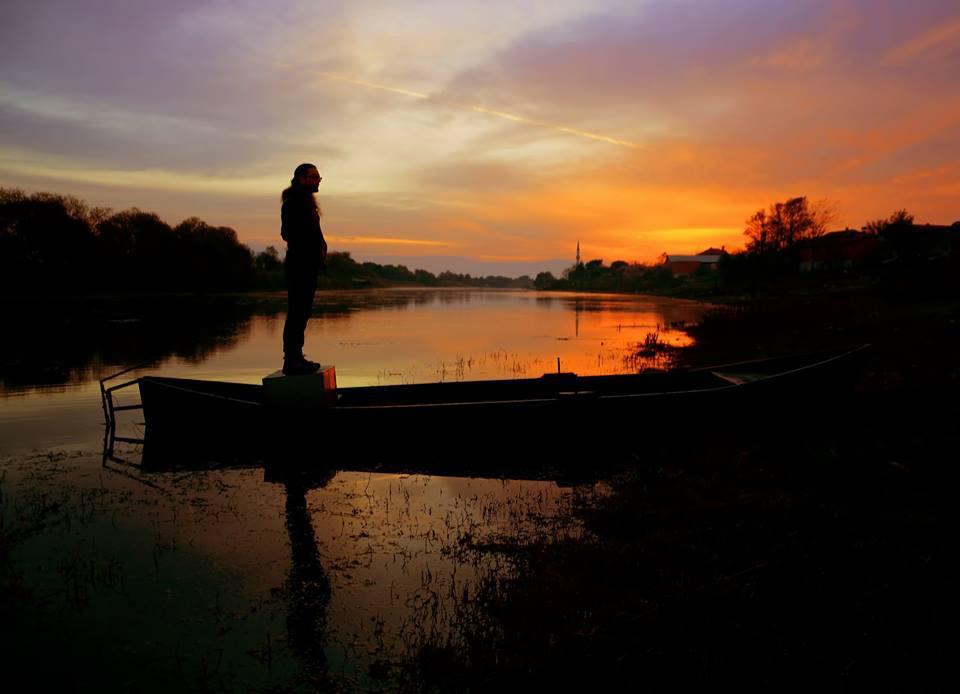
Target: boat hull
[(555, 409)]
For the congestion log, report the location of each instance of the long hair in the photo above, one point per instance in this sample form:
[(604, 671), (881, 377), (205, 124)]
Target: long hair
[(295, 185)]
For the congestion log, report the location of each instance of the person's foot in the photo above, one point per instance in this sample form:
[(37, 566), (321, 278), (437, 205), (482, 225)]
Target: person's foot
[(299, 367), (314, 364)]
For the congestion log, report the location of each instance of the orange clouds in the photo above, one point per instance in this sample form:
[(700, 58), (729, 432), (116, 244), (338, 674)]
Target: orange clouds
[(636, 128)]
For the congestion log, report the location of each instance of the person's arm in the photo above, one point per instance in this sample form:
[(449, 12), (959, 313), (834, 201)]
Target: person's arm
[(285, 221), (295, 223)]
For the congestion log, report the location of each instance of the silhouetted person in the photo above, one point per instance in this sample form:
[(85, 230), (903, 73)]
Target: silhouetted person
[(306, 256)]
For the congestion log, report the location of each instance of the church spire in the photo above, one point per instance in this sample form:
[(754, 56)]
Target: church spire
[(578, 253)]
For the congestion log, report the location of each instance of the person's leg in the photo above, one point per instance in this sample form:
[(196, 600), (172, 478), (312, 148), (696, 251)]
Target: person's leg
[(301, 286), (293, 326), (309, 290)]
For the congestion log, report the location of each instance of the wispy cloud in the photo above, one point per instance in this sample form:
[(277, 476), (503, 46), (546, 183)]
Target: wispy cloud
[(15, 163), (928, 40), (481, 109)]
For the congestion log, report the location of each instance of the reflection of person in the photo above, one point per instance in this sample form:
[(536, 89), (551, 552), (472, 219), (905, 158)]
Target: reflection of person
[(308, 588), (306, 256)]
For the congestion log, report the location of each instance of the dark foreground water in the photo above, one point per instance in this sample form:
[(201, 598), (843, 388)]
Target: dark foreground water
[(205, 574)]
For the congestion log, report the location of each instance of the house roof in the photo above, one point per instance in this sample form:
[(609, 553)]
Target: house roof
[(693, 258), (833, 238), (939, 228), (713, 251)]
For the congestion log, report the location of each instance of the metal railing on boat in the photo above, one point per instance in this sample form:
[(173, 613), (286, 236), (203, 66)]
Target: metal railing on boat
[(110, 408)]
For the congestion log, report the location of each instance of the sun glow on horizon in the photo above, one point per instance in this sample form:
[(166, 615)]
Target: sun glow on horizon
[(386, 241)]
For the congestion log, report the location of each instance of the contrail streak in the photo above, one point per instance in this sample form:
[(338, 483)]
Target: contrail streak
[(486, 111), (395, 90)]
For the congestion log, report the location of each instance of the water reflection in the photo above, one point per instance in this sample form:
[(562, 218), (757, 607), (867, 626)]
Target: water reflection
[(77, 341), (66, 344), (377, 555), (49, 366)]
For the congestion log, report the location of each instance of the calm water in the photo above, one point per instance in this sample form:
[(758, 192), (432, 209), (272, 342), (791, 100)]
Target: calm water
[(242, 576)]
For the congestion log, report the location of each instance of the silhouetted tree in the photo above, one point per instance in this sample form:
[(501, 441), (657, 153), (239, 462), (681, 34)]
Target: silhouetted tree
[(53, 242), (875, 226), (211, 257), (899, 221), (785, 224), (46, 241), (340, 264), (139, 250), (425, 278), (759, 233), (268, 260), (544, 280)]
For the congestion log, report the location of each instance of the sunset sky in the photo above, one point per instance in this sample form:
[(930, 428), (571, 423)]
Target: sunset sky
[(488, 136)]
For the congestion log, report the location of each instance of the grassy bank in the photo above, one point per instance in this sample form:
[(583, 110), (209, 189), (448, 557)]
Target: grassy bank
[(814, 552)]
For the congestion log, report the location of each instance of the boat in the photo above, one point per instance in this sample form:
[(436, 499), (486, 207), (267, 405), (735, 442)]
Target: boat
[(492, 413)]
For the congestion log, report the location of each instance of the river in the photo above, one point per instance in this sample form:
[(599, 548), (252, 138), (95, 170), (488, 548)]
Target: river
[(235, 575)]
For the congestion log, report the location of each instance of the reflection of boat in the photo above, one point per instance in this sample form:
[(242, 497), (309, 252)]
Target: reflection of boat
[(480, 411)]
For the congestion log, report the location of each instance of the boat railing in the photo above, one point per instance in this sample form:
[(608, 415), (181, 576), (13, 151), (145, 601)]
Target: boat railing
[(110, 407)]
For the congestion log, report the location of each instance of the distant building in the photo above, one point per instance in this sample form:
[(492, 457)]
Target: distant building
[(681, 265), (927, 242), (847, 248), (836, 249)]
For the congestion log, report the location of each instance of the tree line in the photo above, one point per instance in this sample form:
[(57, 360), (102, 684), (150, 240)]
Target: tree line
[(770, 233), (777, 239), (52, 243), (788, 245), (57, 243), (618, 276)]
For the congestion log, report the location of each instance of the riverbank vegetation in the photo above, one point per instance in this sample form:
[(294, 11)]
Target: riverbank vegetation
[(789, 251), (52, 244)]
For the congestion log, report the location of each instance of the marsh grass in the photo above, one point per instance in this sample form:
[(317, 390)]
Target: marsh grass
[(83, 572), (497, 363), (654, 352)]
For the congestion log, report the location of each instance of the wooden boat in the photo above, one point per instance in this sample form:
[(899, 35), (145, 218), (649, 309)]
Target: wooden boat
[(551, 407)]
